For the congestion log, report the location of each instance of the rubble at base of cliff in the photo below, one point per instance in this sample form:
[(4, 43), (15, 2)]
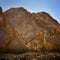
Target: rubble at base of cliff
[(30, 56)]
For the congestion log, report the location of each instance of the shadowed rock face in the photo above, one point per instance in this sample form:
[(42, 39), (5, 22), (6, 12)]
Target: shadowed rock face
[(30, 27)]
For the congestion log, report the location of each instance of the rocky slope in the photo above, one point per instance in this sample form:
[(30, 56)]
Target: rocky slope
[(37, 30)]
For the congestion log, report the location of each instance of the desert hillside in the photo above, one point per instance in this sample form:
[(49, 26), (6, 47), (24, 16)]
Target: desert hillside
[(22, 31)]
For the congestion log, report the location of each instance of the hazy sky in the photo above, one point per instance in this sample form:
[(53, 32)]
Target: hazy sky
[(50, 6)]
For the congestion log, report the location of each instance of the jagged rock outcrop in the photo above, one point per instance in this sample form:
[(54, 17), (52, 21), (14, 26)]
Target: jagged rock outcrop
[(32, 27)]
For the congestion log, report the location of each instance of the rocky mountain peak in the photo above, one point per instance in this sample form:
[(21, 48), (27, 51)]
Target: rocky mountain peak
[(33, 28)]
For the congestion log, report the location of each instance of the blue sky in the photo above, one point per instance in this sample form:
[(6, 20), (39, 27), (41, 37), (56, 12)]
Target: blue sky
[(50, 6)]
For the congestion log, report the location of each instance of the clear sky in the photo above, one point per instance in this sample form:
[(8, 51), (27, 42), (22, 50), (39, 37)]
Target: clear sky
[(50, 6)]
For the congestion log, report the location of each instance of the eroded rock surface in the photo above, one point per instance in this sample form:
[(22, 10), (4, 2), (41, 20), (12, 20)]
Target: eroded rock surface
[(22, 30)]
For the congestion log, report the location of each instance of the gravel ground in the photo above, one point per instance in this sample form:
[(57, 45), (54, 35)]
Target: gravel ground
[(30, 56)]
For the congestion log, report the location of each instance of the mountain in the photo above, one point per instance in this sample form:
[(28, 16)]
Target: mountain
[(37, 30)]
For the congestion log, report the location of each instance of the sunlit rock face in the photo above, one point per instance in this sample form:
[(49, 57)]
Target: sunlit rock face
[(25, 30)]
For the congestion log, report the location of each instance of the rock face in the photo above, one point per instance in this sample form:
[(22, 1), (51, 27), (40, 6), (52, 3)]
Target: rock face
[(33, 30), (9, 39)]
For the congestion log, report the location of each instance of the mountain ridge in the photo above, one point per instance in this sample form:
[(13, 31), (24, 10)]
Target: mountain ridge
[(32, 26)]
